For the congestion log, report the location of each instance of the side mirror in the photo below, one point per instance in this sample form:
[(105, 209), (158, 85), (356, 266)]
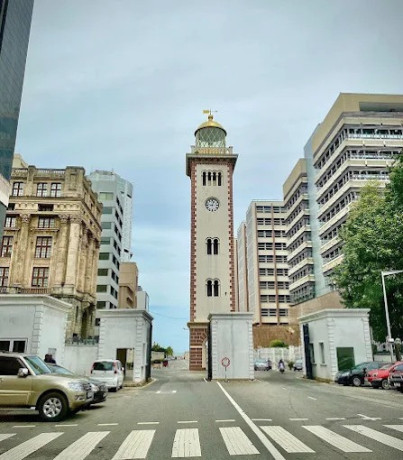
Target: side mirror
[(22, 372)]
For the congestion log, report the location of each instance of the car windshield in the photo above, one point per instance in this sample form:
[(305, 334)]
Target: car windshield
[(361, 366), (37, 365), (103, 366), (55, 369)]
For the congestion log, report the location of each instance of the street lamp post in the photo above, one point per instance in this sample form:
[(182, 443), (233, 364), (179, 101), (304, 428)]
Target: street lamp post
[(392, 272)]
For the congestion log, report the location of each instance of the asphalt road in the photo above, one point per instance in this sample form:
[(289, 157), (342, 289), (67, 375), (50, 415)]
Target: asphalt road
[(180, 415)]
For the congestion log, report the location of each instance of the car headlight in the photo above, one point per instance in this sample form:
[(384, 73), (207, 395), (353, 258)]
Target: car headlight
[(76, 386), (94, 388)]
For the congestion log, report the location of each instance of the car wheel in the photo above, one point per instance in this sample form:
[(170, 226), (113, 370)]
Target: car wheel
[(53, 407), (357, 381), (385, 384)]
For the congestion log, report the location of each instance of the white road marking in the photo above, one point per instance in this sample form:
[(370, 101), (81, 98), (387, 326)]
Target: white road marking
[(286, 440), (236, 441), (283, 388), (24, 426), (262, 438), (227, 420), (148, 423), (6, 436), (108, 424), (390, 441), (28, 447), (365, 417), (333, 419), (136, 445), (70, 424), (187, 421), (395, 427), (310, 397), (83, 446), (159, 392), (299, 419), (335, 440), (262, 419), (186, 443)]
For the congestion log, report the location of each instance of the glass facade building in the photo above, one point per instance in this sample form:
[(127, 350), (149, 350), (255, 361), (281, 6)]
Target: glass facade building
[(15, 25)]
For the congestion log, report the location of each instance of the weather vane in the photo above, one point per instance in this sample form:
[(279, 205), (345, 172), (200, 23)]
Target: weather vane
[(210, 112)]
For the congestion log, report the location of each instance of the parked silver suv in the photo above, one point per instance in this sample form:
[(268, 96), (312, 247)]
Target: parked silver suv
[(26, 381)]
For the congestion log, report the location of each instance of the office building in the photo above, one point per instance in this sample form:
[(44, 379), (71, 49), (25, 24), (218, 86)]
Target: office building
[(51, 241), (15, 25), (116, 196)]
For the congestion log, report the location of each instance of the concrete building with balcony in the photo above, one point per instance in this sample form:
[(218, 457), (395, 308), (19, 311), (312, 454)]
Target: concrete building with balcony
[(51, 240), (263, 281), (356, 143), (298, 233), (116, 196)]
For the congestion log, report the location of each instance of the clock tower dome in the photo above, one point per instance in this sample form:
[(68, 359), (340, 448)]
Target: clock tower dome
[(210, 166)]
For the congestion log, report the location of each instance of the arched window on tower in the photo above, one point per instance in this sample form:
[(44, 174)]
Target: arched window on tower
[(209, 246), (204, 177), (219, 178), (209, 288), (215, 246), (216, 288)]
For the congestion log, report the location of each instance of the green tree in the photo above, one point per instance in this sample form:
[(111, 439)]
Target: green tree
[(372, 241), (276, 343), (169, 351)]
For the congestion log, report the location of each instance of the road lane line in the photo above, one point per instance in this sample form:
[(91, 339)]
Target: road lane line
[(236, 441), (365, 417), (186, 443), (187, 421), (227, 420), (310, 397), (83, 446), (70, 424), (261, 419), (28, 447), (395, 427), (24, 426), (286, 440), (389, 441), (148, 423), (298, 419), (335, 440), (108, 424), (333, 419), (135, 445), (6, 436), (263, 439)]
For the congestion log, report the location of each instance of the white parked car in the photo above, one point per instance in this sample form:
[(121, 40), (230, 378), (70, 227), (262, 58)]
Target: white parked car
[(109, 371)]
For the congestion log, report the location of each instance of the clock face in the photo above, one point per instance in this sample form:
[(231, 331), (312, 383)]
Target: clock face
[(212, 204)]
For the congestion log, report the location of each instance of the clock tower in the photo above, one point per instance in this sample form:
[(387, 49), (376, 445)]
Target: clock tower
[(210, 166)]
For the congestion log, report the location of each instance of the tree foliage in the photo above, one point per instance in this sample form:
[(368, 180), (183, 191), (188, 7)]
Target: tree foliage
[(372, 241), (157, 347), (277, 343)]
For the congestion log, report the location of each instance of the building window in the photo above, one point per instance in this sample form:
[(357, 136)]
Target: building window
[(6, 246), (107, 210), (104, 256), (212, 246), (41, 189), (4, 273), (102, 288), (102, 272), (46, 222), (213, 288), (17, 346), (106, 225), (43, 247), (101, 304), (18, 189), (45, 207), (55, 189), (322, 352), (106, 196), (11, 222), (40, 277)]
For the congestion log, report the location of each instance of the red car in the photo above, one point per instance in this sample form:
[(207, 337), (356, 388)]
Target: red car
[(380, 377)]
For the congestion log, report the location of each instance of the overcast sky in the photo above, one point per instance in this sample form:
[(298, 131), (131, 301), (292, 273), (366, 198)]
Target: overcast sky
[(121, 84)]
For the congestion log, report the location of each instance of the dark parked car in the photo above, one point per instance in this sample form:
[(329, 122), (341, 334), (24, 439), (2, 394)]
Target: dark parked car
[(356, 375), (98, 387), (262, 364), (396, 378)]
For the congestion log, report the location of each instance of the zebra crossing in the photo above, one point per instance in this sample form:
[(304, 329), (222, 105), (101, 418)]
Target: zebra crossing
[(186, 442)]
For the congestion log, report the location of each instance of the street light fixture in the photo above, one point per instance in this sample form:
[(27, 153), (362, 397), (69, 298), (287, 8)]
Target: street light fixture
[(390, 340)]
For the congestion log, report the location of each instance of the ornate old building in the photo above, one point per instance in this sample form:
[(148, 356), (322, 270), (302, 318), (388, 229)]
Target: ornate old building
[(51, 241)]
